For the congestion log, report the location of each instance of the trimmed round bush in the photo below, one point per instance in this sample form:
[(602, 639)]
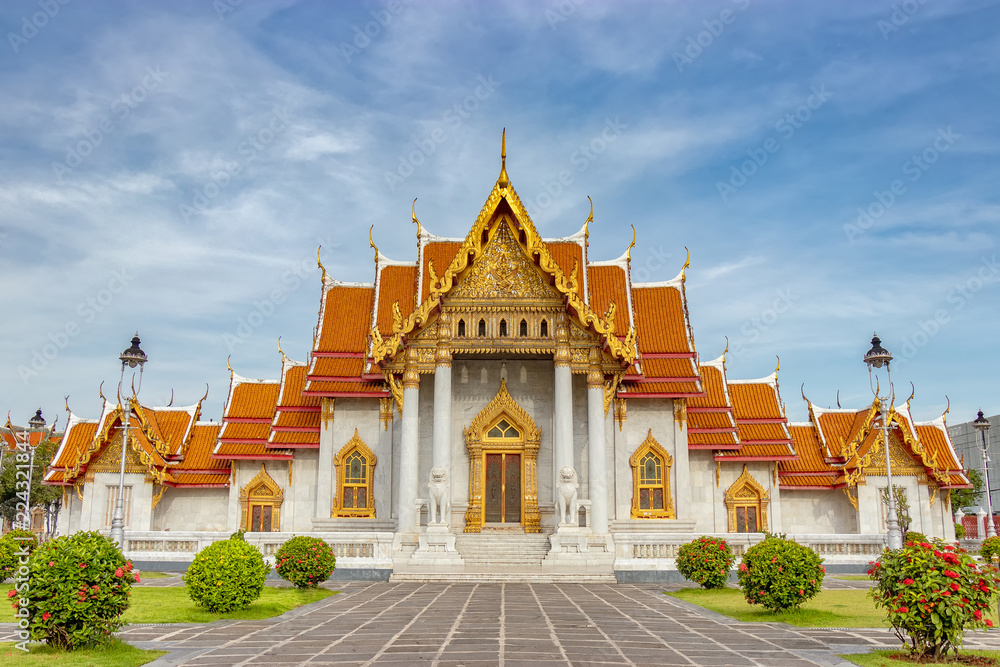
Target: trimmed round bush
[(706, 561), (990, 548), (959, 531), (226, 575), (933, 592), (12, 548), (305, 561), (780, 574), (77, 589), (914, 536)]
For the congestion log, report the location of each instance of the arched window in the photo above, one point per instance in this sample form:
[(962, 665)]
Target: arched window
[(651, 498), (461, 328), (260, 502), (524, 328), (544, 331), (482, 328), (746, 502), (355, 464), (503, 328)]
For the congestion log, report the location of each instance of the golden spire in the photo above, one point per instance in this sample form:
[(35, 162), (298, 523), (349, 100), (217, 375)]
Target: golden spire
[(282, 352), (419, 228), (778, 367), (725, 351), (687, 263), (503, 181), (320, 263), (371, 241), (229, 366), (628, 253), (590, 219)]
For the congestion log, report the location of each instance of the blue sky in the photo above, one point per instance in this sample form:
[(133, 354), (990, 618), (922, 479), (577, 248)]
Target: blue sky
[(171, 168)]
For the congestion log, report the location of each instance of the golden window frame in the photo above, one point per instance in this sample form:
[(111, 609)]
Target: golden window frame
[(261, 490), (355, 444), (747, 492), (651, 446)]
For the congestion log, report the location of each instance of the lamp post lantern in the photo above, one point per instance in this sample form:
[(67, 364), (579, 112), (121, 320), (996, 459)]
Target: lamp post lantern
[(876, 358), (982, 424), (131, 357)]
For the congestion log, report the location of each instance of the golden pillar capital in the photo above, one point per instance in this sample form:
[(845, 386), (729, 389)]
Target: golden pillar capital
[(442, 356), (411, 378)]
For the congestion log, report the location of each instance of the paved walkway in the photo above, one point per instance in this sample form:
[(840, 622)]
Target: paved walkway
[(512, 625)]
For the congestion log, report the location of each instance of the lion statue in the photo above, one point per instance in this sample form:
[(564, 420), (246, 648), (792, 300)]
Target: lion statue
[(440, 500), (566, 505)]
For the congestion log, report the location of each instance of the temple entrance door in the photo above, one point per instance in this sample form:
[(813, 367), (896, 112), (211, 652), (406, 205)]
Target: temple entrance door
[(502, 500)]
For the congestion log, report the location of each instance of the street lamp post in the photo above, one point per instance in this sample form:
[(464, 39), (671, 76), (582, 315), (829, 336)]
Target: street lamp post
[(877, 357), (131, 357), (982, 424), (35, 424)]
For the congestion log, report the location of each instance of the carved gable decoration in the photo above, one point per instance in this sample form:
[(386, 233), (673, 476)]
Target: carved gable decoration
[(747, 491), (902, 462), (503, 405), (502, 272), (110, 459)]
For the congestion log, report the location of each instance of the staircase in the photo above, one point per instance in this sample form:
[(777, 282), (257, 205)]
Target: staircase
[(502, 548)]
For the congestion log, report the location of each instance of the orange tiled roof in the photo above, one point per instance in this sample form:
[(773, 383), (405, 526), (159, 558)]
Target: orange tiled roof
[(346, 318), (200, 479), (755, 400), (838, 427), (248, 450), (441, 253), (711, 424), (375, 389), (758, 452), (251, 399), (293, 383), (339, 367), (396, 284), (77, 437), (199, 452), (658, 389), (660, 319), (810, 482), (809, 449), (938, 446), (239, 432), (293, 439)]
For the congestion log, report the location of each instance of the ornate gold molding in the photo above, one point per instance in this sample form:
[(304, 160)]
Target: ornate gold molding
[(262, 489), (328, 409), (385, 412), (355, 444), (747, 491), (650, 445)]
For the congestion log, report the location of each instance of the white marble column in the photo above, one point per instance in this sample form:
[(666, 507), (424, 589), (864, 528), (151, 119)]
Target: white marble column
[(563, 432), (441, 451), (324, 470), (598, 454), (408, 450)]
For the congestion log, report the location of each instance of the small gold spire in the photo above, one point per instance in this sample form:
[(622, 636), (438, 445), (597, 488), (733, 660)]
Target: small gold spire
[(725, 351), (100, 391), (319, 263), (282, 352), (414, 211), (171, 397), (628, 253), (778, 367), (590, 219), (371, 241), (687, 263), (503, 181), (229, 366), (947, 409), (65, 400), (203, 397)]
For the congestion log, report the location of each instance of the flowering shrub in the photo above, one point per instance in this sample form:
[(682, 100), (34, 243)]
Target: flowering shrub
[(959, 531), (226, 575), (77, 590), (12, 549), (914, 536), (780, 574), (305, 561), (933, 592), (706, 561), (990, 548)]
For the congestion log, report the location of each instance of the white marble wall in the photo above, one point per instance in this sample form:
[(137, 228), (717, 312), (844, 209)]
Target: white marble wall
[(707, 510), (818, 512), (643, 415), (191, 509)]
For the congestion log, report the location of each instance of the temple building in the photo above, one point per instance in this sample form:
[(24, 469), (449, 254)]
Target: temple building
[(503, 405)]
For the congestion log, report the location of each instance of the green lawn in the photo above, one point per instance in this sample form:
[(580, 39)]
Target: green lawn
[(172, 605), (116, 654), (829, 609), (880, 658), (156, 575), (853, 577)]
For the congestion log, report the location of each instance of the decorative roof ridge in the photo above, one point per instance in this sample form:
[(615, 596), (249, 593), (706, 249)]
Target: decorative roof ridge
[(384, 261), (771, 380), (208, 423), (172, 408), (331, 282), (801, 425), (844, 411), (674, 282), (719, 362), (239, 379), (578, 237), (426, 237), (622, 262)]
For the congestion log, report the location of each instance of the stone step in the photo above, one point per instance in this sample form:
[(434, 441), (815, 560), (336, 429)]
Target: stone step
[(505, 577)]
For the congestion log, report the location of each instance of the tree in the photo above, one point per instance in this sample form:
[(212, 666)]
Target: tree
[(969, 497), (902, 506)]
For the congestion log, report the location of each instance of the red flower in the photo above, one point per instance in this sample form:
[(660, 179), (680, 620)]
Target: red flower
[(46, 616), (11, 593), (774, 560), (955, 587), (907, 581), (743, 568), (903, 610), (119, 572), (989, 623), (822, 569), (801, 592), (946, 593), (137, 579), (51, 563)]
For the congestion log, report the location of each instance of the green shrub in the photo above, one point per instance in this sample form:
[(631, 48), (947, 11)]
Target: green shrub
[(780, 574), (77, 590), (240, 534), (226, 575), (991, 547), (914, 536), (933, 592), (12, 549), (706, 561), (959, 531), (305, 561)]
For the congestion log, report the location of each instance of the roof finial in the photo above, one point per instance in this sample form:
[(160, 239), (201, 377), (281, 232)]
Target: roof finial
[(319, 263), (687, 263), (838, 398), (725, 351), (206, 394), (372, 242), (66, 401), (229, 366), (171, 397), (628, 253), (913, 392), (100, 391), (590, 219), (503, 181), (420, 230), (282, 352), (802, 390), (947, 409), (778, 367)]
